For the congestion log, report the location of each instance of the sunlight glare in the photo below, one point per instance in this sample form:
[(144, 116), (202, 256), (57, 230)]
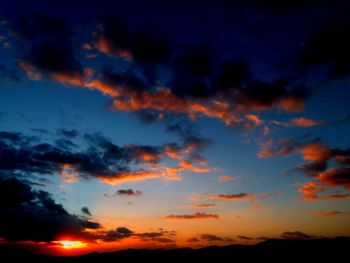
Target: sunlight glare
[(68, 244)]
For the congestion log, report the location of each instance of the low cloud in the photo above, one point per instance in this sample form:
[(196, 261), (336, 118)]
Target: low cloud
[(214, 238), (296, 235), (128, 192), (331, 213), (198, 215)]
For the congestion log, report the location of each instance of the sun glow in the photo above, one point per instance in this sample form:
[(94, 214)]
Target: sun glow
[(68, 244)]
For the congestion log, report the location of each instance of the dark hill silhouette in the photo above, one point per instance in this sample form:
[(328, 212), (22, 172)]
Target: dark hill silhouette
[(273, 250)]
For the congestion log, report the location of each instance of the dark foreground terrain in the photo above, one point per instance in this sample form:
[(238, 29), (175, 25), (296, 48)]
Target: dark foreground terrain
[(273, 250)]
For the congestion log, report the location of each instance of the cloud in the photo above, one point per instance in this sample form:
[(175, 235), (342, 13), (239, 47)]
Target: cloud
[(335, 177), (244, 197), (69, 134), (327, 48), (296, 235), (51, 52), (200, 82), (193, 240), (281, 148), (234, 197), (214, 238), (303, 122), (86, 211), (128, 192), (200, 206), (33, 215), (226, 178), (316, 151), (101, 159), (318, 156), (116, 38), (314, 191), (245, 237), (54, 61), (115, 235), (330, 213), (198, 215)]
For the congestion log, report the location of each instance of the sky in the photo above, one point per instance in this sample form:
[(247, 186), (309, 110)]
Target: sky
[(166, 124)]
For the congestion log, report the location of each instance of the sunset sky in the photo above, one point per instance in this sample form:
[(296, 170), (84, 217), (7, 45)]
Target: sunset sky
[(164, 124)]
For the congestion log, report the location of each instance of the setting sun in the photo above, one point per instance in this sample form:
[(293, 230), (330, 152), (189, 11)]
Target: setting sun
[(67, 244)]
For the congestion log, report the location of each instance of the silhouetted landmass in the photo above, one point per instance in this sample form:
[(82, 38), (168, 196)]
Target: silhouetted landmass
[(273, 250)]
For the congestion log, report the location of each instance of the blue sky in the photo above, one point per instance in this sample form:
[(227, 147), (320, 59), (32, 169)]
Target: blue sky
[(167, 99)]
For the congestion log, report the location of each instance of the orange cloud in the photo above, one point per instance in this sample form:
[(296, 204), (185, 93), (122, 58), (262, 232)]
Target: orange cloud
[(68, 78), (311, 191), (104, 45), (254, 118), (172, 151), (68, 173), (226, 178), (188, 166), (103, 88), (335, 177), (331, 213), (198, 215), (266, 151), (200, 206), (292, 104), (234, 197), (124, 177), (282, 148), (315, 152), (303, 122)]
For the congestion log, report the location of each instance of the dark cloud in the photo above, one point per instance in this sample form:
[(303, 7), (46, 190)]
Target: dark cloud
[(36, 26), (214, 238), (68, 134), (144, 46), (27, 214), (328, 48), (65, 144), (118, 234), (123, 232), (245, 237), (193, 240), (128, 192), (40, 130), (234, 197), (51, 52), (263, 238), (86, 211), (149, 116), (101, 158), (211, 238), (296, 235), (192, 71)]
